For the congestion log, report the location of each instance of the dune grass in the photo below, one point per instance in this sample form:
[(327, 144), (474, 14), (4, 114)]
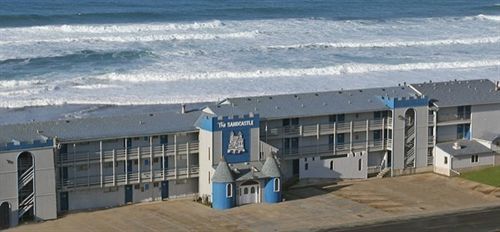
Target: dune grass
[(489, 176)]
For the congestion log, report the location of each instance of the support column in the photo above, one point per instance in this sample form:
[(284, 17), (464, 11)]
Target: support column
[(317, 132), (163, 161), (151, 163), (367, 135), (139, 164), (126, 161), (101, 160), (383, 134), (334, 138), (114, 167), (187, 159), (350, 137), (175, 156)]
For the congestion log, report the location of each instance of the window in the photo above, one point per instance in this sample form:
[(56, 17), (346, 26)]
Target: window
[(155, 160), (474, 158), (340, 139), (331, 165), (146, 162), (305, 159), (137, 186), (306, 166), (209, 153), (245, 191), (356, 137), (286, 122), (295, 121), (359, 165), (252, 190), (209, 177), (136, 162), (377, 135), (156, 185), (146, 186), (313, 158), (83, 167), (276, 185), (332, 118), (108, 164), (357, 115), (340, 118), (163, 139), (229, 190), (145, 138), (445, 160)]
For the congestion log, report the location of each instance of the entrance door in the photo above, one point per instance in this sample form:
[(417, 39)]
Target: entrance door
[(4, 215), (249, 193), (164, 190), (128, 194), (64, 201)]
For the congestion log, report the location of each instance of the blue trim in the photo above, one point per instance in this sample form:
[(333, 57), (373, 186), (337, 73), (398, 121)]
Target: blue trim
[(26, 145), (270, 196), (219, 198), (404, 102)]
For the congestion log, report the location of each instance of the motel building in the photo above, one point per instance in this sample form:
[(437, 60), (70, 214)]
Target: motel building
[(243, 150)]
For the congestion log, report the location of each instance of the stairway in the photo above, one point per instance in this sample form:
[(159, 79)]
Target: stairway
[(383, 173), (409, 158), (26, 195)]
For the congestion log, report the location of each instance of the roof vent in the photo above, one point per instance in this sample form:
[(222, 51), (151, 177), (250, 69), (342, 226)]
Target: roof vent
[(302, 105), (349, 102), (316, 94), (277, 107), (271, 98), (457, 146), (151, 115), (39, 131), (497, 86), (183, 108), (141, 123)]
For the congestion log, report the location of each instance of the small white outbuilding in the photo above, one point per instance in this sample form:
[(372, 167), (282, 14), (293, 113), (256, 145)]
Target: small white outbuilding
[(454, 157)]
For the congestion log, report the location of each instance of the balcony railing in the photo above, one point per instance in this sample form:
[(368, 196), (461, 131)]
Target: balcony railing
[(431, 119), (337, 149), (130, 153), (430, 141), (128, 178), (325, 128), (459, 118)]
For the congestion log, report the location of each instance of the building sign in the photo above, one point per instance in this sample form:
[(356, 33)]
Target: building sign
[(236, 137)]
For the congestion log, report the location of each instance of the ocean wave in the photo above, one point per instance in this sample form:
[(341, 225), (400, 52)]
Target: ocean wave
[(388, 44), (486, 17), (8, 84), (114, 28), (140, 38), (78, 57), (323, 71)]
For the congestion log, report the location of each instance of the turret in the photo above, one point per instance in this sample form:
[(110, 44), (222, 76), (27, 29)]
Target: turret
[(223, 189), (272, 187)]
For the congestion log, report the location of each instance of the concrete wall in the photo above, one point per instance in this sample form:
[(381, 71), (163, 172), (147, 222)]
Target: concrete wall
[(484, 118), (45, 190), (346, 167), (440, 166), (421, 133), (446, 133), (206, 161)]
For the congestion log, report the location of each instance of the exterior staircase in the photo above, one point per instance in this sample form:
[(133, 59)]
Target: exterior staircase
[(26, 195), (383, 173), (409, 158)]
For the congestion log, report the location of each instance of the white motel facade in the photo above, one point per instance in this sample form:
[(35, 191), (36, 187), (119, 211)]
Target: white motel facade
[(243, 150)]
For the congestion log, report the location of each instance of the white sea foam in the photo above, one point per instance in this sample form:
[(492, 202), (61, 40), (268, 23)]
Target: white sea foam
[(115, 28), (336, 70), (388, 44), (140, 38), (488, 17)]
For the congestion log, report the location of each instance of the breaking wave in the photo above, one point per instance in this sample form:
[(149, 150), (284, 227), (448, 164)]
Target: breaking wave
[(324, 71), (141, 38), (443, 42)]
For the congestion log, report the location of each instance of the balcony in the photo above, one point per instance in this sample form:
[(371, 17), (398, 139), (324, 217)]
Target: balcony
[(337, 150), (96, 181), (430, 141), (129, 153), (325, 129), (431, 120), (453, 119)]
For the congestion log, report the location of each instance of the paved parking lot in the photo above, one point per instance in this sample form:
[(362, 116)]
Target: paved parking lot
[(307, 208)]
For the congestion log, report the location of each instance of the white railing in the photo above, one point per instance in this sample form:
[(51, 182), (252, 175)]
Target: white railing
[(26, 177), (324, 128), (129, 178), (131, 153), (26, 205)]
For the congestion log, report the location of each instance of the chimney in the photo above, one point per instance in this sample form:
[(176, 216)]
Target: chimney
[(497, 86), (183, 108), (457, 146)]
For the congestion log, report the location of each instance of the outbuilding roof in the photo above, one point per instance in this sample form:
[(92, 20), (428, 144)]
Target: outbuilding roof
[(466, 147), (459, 92)]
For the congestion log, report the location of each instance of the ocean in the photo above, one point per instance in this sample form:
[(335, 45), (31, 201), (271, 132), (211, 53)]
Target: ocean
[(158, 52)]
